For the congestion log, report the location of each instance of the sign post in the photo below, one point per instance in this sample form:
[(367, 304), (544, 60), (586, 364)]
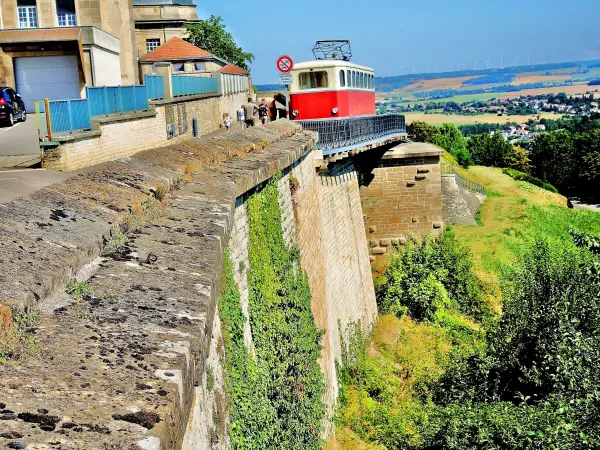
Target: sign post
[(285, 64)]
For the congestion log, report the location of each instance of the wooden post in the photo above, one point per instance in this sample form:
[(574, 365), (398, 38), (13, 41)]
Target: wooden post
[(48, 125)]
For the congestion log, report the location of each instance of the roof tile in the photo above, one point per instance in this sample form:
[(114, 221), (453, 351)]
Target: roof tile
[(175, 48), (230, 68)]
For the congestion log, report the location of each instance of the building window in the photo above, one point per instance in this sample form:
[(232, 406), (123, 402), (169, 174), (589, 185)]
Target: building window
[(178, 67), (65, 12), (27, 12), (151, 44), (199, 66)]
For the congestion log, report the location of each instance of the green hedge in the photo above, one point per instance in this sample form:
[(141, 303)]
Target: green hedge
[(520, 176)]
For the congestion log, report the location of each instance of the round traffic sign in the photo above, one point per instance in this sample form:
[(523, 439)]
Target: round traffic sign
[(285, 64)]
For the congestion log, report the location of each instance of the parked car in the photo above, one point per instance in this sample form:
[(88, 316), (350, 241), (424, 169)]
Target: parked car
[(12, 107)]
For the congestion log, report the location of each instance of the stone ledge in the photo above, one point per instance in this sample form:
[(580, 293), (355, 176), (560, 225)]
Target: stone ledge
[(185, 98), (117, 118)]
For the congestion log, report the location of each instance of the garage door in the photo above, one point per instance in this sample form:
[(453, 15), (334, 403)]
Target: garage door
[(54, 77)]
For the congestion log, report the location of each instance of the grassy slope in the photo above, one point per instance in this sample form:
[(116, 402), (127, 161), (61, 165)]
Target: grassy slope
[(406, 354)]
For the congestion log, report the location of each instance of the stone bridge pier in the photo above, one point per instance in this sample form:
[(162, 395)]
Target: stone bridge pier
[(401, 194)]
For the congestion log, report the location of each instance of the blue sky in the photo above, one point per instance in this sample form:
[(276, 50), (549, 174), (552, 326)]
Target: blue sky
[(387, 34)]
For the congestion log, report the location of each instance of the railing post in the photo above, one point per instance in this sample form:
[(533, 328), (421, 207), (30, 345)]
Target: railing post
[(120, 100), (134, 102), (48, 123), (89, 108), (70, 118), (105, 98)]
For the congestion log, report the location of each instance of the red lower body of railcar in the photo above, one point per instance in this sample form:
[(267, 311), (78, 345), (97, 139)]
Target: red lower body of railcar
[(320, 105)]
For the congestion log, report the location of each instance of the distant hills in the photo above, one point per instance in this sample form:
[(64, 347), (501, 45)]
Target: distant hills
[(582, 71)]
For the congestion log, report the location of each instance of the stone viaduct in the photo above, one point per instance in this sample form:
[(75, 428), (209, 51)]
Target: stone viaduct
[(126, 364)]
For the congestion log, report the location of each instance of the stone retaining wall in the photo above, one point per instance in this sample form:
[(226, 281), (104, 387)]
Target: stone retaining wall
[(460, 205)]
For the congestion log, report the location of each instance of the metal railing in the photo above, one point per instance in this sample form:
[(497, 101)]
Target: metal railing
[(117, 99), (193, 85), (339, 134), (448, 169), (65, 116), (155, 86)]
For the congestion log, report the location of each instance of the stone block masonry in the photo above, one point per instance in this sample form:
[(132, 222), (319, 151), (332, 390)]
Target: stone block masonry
[(401, 195)]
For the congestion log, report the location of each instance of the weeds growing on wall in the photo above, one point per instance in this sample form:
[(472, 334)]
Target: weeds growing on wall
[(275, 396)]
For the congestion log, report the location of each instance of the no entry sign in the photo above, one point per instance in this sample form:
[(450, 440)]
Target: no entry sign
[(285, 64)]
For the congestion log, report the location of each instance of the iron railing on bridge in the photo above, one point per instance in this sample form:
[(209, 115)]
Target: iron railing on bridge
[(342, 134), (448, 169)]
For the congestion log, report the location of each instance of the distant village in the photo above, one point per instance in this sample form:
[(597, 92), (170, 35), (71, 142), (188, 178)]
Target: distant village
[(579, 105)]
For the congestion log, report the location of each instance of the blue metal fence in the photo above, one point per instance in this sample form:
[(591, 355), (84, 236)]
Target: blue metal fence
[(155, 86), (117, 99), (193, 85), (68, 116)]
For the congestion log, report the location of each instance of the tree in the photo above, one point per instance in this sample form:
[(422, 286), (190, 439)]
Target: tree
[(422, 132), (212, 36), (491, 150), (451, 139)]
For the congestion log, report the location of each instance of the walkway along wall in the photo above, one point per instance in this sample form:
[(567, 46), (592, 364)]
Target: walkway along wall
[(133, 356)]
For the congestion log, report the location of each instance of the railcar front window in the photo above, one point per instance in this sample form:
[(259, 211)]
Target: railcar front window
[(314, 80)]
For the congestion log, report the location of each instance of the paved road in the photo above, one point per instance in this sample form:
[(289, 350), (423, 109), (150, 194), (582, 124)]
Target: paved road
[(19, 143), (18, 182)]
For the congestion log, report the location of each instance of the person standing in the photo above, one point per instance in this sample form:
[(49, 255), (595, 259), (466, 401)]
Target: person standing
[(227, 121), (249, 112), (241, 117), (263, 111)]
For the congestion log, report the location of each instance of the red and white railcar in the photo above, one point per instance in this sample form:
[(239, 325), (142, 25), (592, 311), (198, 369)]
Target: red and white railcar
[(325, 89)]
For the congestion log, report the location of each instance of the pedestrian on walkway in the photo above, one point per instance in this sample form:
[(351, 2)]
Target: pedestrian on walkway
[(241, 117), (227, 121), (263, 111), (250, 110)]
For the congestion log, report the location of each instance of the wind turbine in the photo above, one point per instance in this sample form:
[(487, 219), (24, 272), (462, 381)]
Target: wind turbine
[(413, 69), (474, 65), (528, 60), (389, 72), (463, 65), (501, 63), (437, 67), (450, 66), (515, 61), (427, 66), (401, 72), (487, 63)]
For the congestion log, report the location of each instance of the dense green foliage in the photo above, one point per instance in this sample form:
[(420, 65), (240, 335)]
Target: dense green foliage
[(212, 36), (520, 176), (425, 277), (448, 137), (530, 381), (276, 388), (538, 385), (569, 161)]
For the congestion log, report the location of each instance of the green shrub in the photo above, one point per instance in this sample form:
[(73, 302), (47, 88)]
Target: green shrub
[(424, 277), (520, 176)]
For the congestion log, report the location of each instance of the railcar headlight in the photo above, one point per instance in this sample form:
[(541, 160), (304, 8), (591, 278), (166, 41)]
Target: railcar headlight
[(334, 110), (295, 113)]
